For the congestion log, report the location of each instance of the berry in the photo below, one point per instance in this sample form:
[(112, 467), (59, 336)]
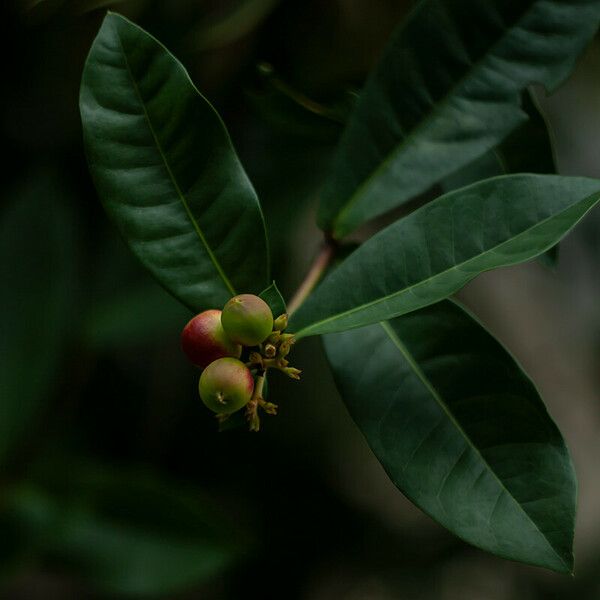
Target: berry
[(204, 340), (226, 385), (247, 319)]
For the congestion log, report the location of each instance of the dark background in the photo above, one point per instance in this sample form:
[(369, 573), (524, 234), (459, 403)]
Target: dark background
[(114, 479)]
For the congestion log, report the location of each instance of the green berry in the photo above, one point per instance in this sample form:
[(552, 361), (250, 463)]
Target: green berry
[(247, 319), (204, 340), (226, 385)]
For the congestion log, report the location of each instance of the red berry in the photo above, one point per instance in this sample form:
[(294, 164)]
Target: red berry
[(204, 340), (226, 385)]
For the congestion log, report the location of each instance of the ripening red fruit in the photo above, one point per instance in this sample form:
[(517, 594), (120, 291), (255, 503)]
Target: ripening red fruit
[(226, 385), (204, 340), (247, 319)]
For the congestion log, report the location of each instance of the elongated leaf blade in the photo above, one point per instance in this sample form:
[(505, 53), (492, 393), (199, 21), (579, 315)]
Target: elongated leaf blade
[(461, 431), (528, 149), (433, 252), (166, 171), (447, 90)]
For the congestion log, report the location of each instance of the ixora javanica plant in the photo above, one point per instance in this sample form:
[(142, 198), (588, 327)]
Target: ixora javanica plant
[(458, 426)]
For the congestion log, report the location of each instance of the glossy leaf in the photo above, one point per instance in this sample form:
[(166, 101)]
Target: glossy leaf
[(446, 91), (272, 296), (461, 431), (433, 252), (528, 149), (125, 532), (37, 259), (166, 171)]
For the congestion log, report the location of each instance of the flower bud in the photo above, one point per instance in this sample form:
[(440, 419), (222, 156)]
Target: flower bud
[(291, 372), (270, 351), (280, 323)]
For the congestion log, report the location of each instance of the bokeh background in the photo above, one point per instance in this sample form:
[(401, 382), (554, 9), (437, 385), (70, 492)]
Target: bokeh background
[(114, 481)]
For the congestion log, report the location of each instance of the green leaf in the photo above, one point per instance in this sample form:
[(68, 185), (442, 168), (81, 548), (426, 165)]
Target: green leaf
[(528, 149), (461, 431), (272, 296), (166, 171), (437, 249), (37, 260), (446, 91), (125, 532)]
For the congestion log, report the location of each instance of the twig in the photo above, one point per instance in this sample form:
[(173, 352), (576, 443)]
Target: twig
[(320, 264)]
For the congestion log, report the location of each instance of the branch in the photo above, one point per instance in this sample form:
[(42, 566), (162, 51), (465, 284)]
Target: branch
[(319, 266)]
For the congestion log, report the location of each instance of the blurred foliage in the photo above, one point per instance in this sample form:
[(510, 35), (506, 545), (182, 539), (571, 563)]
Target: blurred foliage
[(37, 268), (114, 478), (125, 532)]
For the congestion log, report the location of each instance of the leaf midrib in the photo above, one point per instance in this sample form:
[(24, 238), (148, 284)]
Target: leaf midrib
[(171, 175), (458, 266), (424, 122), (395, 339)]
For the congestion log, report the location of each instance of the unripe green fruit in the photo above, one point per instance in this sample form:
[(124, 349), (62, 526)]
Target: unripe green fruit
[(226, 385), (204, 340), (247, 319)]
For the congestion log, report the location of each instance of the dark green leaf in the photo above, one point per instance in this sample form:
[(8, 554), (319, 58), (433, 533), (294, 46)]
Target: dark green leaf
[(528, 149), (166, 171), (433, 252), (125, 532), (272, 296), (446, 91), (462, 431), (37, 256)]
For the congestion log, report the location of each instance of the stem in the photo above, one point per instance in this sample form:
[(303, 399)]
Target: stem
[(258, 387), (320, 264), (305, 101), (252, 406)]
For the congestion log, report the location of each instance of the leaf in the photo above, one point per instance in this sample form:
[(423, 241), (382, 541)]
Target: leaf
[(437, 249), (37, 260), (447, 90), (125, 532), (166, 171), (461, 431), (272, 296), (528, 149)]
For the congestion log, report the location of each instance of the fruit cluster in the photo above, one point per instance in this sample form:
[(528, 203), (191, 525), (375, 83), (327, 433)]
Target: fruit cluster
[(234, 348)]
